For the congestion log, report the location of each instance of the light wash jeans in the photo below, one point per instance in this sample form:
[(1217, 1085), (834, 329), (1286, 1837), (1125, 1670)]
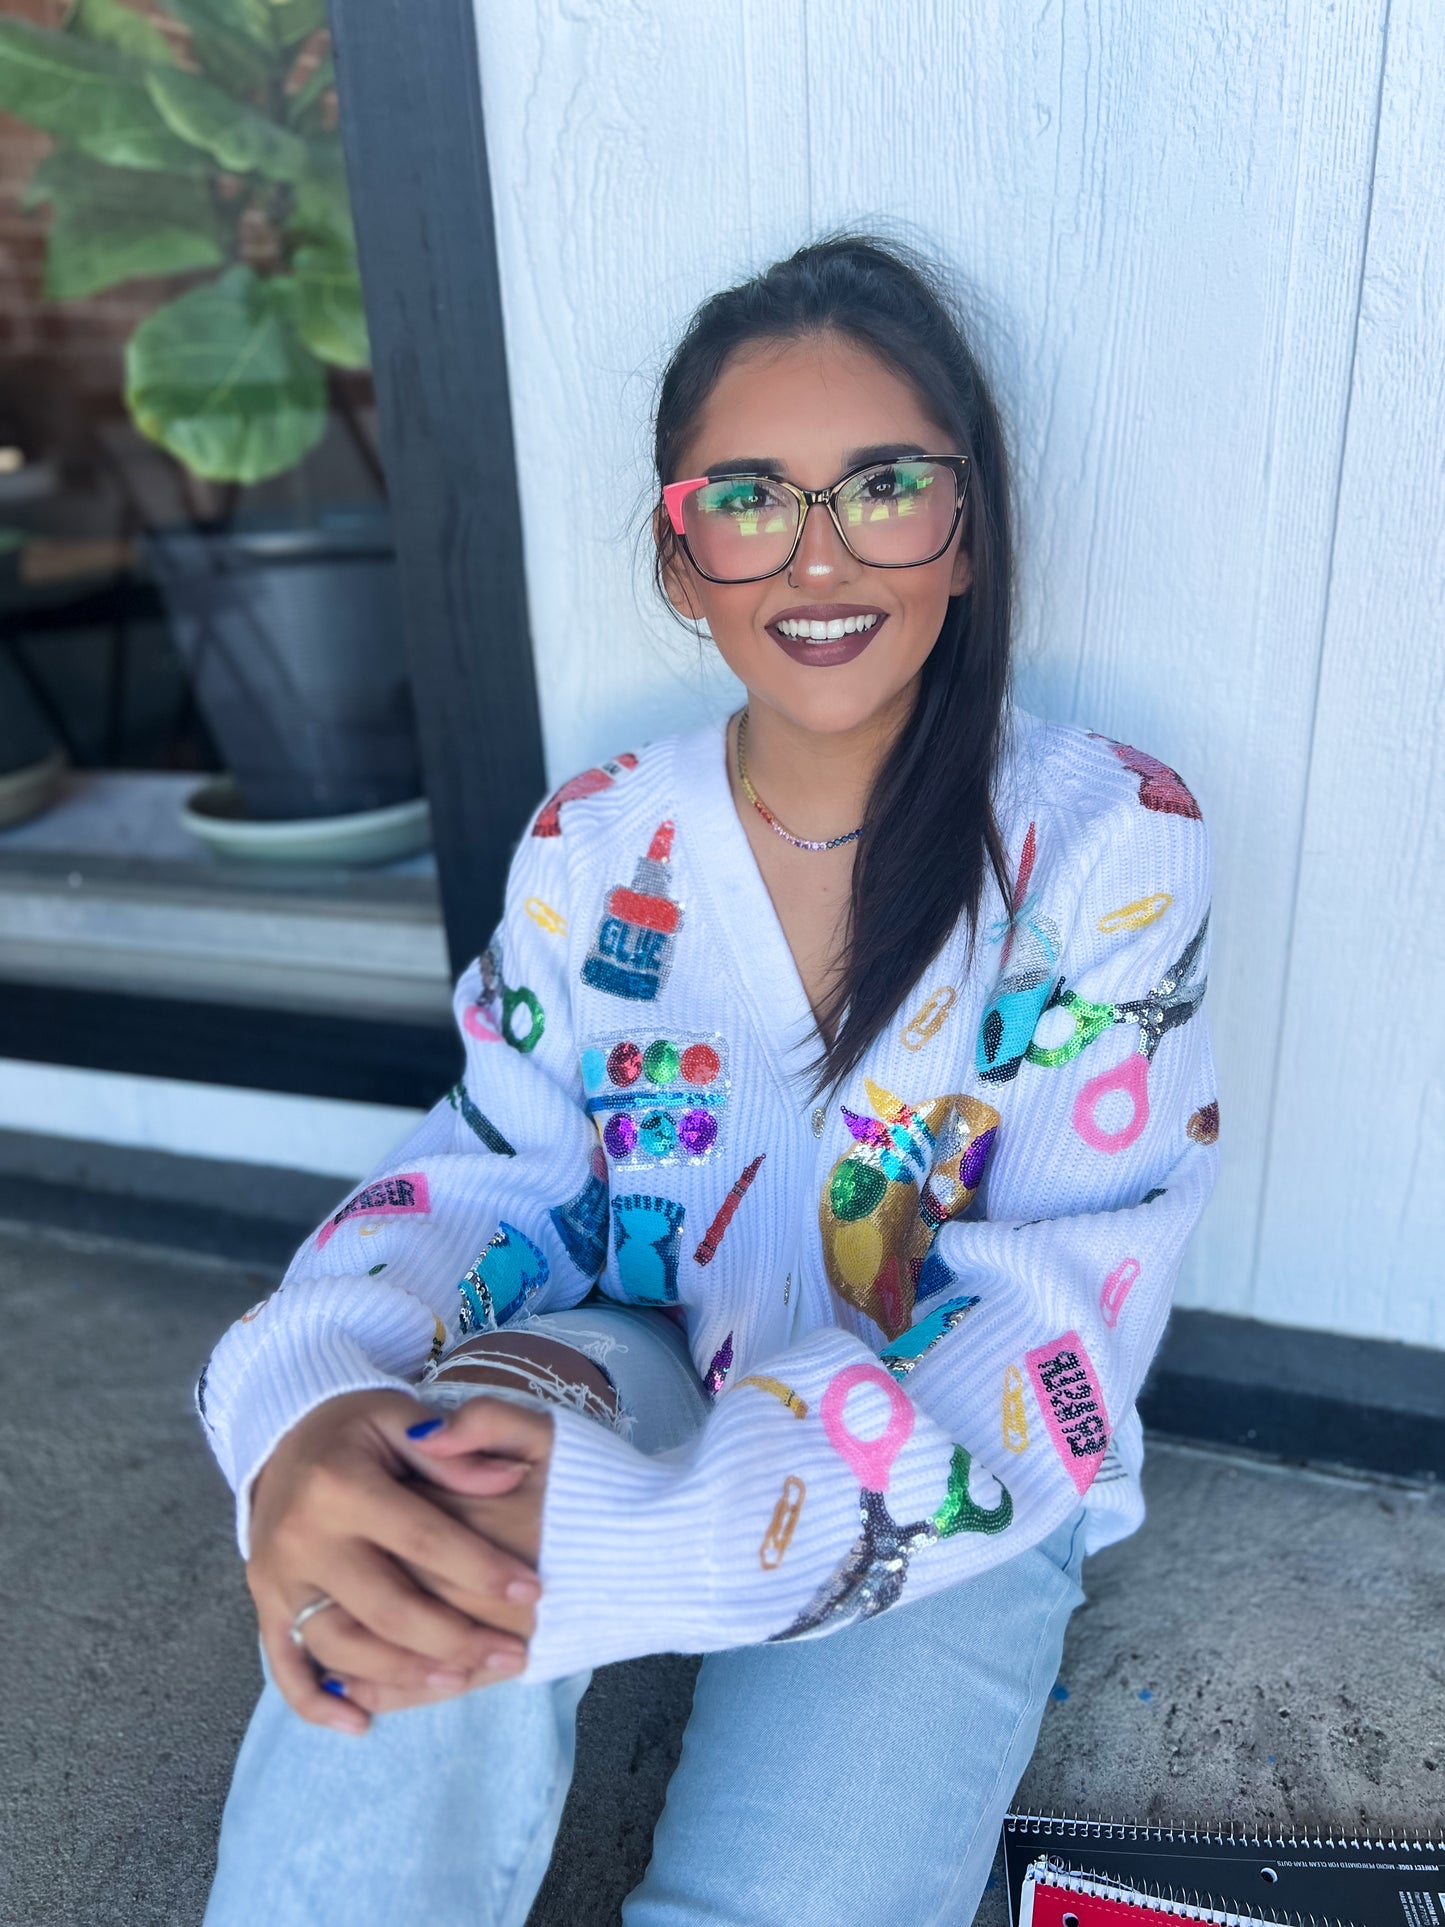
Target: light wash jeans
[(858, 1777)]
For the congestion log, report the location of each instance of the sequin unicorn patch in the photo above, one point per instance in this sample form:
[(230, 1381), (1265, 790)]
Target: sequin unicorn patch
[(911, 1169), (657, 1100)]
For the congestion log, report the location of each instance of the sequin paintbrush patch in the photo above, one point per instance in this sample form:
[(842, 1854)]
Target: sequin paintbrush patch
[(631, 954), (657, 1100), (479, 1125), (385, 1198)]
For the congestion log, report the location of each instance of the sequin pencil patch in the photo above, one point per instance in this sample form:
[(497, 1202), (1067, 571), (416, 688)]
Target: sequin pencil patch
[(713, 1236)]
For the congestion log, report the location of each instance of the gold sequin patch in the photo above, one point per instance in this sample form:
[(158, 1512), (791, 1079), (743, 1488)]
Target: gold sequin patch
[(546, 918), (928, 1020), (1015, 1411), (779, 1535), (778, 1390), (1137, 915)]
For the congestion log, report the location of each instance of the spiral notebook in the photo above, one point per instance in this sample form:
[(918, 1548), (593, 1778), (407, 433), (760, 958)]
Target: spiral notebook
[(1054, 1897), (1300, 1879)]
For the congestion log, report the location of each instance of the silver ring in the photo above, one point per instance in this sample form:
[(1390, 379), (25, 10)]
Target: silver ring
[(308, 1612)]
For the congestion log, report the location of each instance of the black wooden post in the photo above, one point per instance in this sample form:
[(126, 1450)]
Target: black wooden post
[(416, 159)]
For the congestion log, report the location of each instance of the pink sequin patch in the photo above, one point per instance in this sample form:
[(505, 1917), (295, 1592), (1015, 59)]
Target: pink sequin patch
[(1069, 1397), (388, 1198)]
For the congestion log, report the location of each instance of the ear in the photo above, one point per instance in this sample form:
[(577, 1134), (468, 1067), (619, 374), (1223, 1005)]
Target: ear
[(962, 577), (676, 576)]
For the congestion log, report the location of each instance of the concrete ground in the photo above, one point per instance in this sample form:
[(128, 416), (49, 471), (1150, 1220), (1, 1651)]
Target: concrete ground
[(1271, 1645)]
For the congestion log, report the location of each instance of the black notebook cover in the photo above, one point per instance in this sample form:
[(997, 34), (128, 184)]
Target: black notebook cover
[(1362, 1881)]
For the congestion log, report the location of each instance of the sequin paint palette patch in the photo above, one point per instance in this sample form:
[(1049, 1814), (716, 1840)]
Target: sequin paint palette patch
[(657, 1100)]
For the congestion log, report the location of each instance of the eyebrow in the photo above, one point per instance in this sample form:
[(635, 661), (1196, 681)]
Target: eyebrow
[(855, 458)]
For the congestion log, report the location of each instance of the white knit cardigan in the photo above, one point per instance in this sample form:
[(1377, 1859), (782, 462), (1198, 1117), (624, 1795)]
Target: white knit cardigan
[(923, 1307)]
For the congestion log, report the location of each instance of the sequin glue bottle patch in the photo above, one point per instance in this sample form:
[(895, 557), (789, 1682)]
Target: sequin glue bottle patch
[(1068, 1393), (501, 1281), (395, 1197), (656, 1100), (632, 951), (647, 1239), (581, 1223), (591, 782)]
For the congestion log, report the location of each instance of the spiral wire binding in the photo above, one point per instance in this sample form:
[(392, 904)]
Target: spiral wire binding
[(1081, 1826)]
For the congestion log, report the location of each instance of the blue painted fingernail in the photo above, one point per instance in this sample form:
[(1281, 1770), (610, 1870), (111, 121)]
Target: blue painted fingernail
[(334, 1686), (425, 1429)]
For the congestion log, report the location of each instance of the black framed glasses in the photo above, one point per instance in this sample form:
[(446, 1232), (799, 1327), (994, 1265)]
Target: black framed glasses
[(889, 515)]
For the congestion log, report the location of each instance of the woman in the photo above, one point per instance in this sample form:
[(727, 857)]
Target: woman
[(851, 1050)]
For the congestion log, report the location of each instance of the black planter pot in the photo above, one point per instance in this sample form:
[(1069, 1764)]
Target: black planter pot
[(31, 765), (292, 639)]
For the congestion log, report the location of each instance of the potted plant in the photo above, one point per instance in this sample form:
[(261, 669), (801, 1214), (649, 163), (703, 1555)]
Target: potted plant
[(196, 139)]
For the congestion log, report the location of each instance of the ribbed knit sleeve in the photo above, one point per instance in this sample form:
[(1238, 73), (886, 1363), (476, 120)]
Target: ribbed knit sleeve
[(838, 1477), (496, 1202)]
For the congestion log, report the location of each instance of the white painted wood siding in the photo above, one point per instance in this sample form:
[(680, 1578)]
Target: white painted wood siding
[(1208, 271)]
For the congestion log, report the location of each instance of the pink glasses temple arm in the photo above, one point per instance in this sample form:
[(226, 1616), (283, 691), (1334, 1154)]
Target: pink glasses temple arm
[(675, 494)]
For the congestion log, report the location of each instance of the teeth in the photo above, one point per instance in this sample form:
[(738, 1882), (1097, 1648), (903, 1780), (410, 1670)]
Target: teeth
[(826, 631)]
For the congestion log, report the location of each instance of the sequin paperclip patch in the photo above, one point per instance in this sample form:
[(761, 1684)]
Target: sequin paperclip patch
[(783, 1524), (1015, 1411), (928, 1020), (387, 1198), (1137, 915), (775, 1388), (657, 1100)]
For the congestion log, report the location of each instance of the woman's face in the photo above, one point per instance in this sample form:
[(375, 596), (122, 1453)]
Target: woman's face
[(809, 411)]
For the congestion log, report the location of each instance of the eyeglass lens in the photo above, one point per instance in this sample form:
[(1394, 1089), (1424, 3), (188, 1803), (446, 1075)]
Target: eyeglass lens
[(894, 515)]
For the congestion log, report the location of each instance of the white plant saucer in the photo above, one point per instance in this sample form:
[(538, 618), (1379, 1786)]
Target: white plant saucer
[(213, 813)]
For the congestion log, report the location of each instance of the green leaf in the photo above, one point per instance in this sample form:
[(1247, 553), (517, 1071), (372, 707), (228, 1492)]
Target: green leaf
[(231, 39), (111, 223), (323, 300), (302, 104), (90, 95), (220, 379), (115, 24), (321, 206), (293, 21), (236, 136)]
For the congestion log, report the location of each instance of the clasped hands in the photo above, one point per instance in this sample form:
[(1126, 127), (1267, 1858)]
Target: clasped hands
[(428, 1545)]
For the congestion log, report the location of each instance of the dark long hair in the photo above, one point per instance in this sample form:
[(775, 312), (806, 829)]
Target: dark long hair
[(929, 832)]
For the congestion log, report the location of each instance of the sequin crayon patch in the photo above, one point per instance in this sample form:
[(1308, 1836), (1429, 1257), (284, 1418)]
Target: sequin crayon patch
[(387, 1198), (717, 1230), (782, 1525), (479, 1125), (715, 1377), (581, 1223), (647, 1240), (591, 782), (658, 1100), (632, 951), (501, 1281), (904, 1353), (1069, 1397)]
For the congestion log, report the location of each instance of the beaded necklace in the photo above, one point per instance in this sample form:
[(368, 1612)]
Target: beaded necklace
[(798, 842)]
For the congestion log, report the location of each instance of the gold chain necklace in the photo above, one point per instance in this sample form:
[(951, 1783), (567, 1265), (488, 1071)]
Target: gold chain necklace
[(798, 842)]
